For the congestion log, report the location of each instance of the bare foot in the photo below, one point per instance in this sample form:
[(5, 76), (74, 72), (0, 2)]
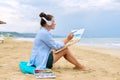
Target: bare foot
[(81, 68)]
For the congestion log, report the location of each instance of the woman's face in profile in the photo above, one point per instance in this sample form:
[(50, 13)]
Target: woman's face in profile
[(52, 24)]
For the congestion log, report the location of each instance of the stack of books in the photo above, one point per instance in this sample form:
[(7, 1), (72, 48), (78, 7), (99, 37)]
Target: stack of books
[(42, 74)]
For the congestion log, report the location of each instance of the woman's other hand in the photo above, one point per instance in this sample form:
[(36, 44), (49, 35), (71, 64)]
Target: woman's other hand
[(69, 37)]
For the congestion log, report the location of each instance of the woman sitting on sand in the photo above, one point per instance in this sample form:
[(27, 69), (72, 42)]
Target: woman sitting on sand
[(42, 57)]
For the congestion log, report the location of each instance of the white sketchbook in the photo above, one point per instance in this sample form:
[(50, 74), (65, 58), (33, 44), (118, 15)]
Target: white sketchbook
[(77, 36)]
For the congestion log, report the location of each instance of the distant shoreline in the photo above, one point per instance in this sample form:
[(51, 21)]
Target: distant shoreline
[(98, 42)]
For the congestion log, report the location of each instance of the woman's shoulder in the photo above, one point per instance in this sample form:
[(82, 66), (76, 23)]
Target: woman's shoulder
[(43, 31)]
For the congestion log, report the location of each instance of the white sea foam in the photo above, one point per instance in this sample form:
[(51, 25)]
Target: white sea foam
[(116, 45), (25, 39), (103, 42)]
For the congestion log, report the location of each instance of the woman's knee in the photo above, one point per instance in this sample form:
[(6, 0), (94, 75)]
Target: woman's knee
[(66, 49)]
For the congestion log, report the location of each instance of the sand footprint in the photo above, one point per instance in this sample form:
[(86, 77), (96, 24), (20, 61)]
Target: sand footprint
[(88, 71)]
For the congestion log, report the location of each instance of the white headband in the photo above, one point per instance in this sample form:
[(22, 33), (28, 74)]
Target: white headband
[(48, 22)]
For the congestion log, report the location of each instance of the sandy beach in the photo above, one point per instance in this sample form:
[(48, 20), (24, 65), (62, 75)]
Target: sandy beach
[(103, 62)]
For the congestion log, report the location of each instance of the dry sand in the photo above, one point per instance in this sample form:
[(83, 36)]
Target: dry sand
[(103, 63)]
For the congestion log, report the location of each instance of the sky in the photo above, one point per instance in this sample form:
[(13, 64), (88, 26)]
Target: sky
[(100, 18)]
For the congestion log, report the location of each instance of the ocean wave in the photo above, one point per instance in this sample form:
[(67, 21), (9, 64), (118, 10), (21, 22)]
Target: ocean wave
[(25, 39)]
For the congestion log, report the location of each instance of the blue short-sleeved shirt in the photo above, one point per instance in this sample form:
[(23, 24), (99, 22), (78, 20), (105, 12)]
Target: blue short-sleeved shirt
[(43, 44)]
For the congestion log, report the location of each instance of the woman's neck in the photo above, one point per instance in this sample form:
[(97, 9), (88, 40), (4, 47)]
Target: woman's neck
[(47, 27)]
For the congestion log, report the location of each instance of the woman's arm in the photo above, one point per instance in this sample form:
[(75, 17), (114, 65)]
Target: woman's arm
[(49, 41)]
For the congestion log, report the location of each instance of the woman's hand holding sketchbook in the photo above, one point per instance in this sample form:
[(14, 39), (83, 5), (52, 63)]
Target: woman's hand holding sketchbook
[(77, 36)]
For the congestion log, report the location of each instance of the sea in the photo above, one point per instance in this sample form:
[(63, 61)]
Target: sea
[(102, 42)]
